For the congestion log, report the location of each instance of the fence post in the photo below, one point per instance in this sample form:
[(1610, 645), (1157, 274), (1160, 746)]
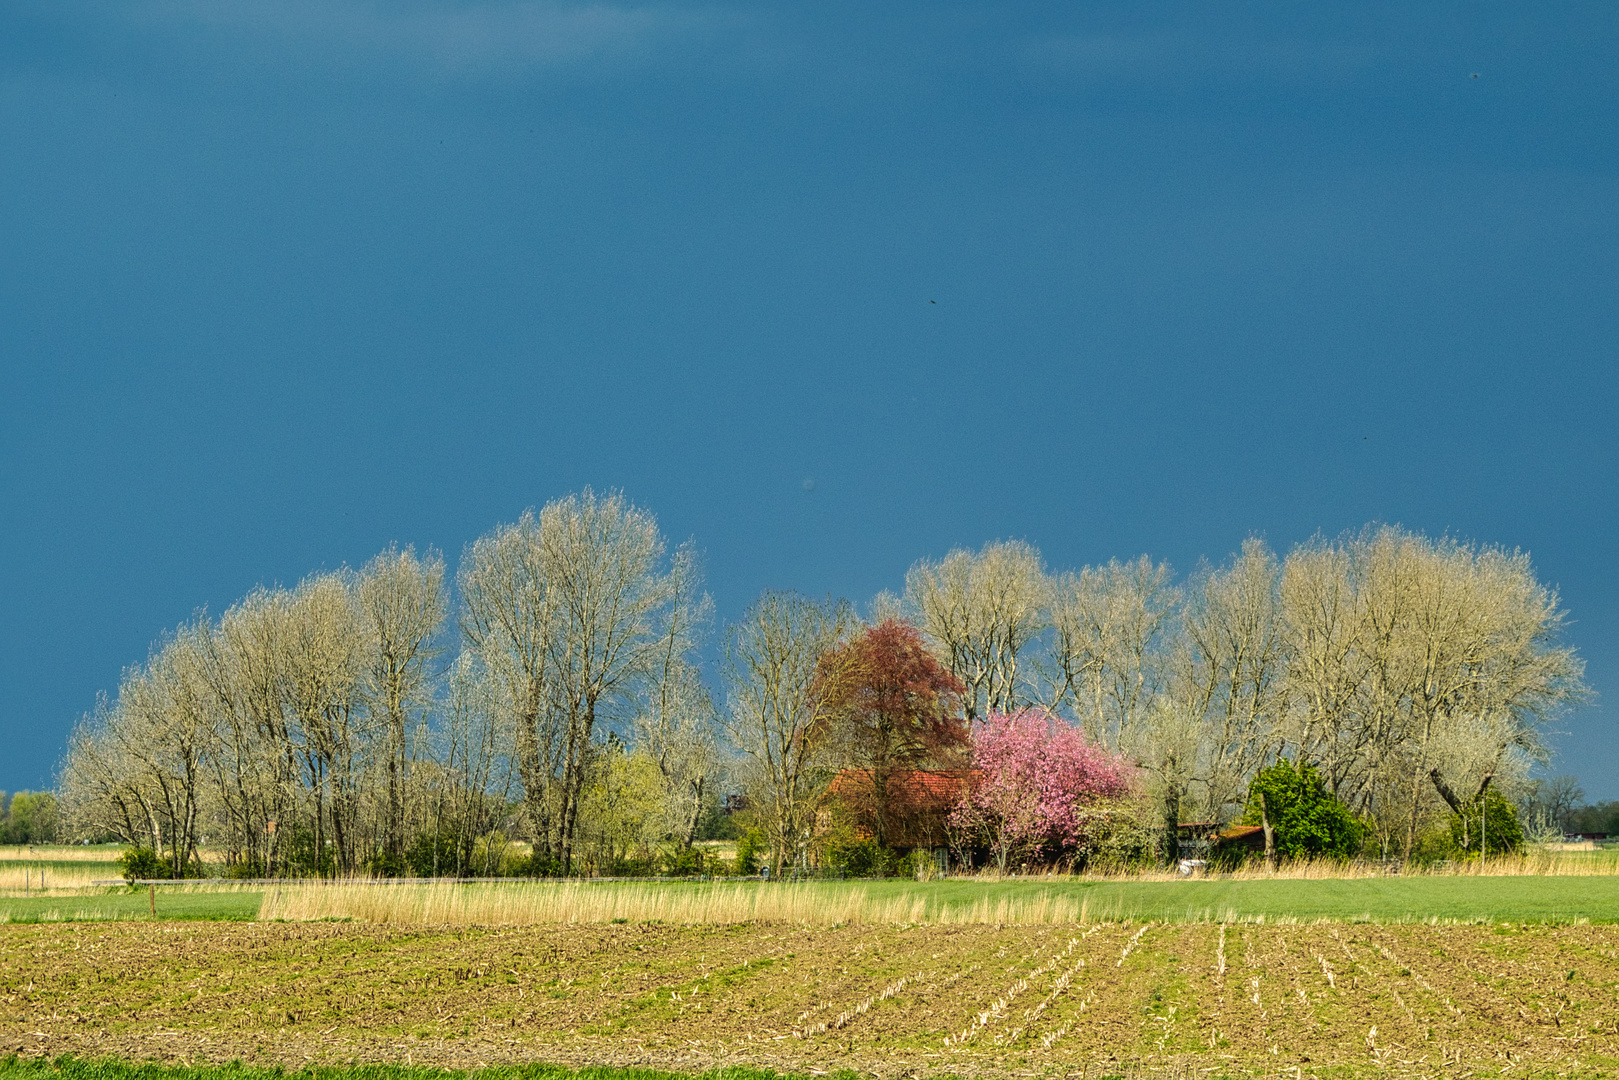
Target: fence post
[(151, 896)]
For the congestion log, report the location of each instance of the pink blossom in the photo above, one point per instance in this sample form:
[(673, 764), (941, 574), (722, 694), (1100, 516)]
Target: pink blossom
[(1040, 784)]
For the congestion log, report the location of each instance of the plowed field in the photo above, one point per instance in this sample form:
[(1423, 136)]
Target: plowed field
[(888, 1000)]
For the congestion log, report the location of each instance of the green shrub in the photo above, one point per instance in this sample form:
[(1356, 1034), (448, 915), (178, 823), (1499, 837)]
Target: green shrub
[(1308, 820), (682, 862), (1502, 831), (540, 864), (862, 858), (716, 824), (387, 865), (750, 851), (143, 864), (429, 855), (493, 855), (626, 866), (1124, 838), (919, 864)]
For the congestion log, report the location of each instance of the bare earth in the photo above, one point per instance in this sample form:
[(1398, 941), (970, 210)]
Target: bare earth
[(884, 1000)]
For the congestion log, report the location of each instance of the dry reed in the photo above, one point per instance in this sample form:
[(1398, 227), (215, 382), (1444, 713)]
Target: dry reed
[(58, 853), (719, 903), (31, 877), (712, 904)]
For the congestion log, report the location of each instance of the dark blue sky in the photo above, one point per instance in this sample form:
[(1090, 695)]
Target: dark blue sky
[(282, 282)]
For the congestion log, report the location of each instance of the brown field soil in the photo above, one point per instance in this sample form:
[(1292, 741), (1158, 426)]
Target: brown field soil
[(1330, 1000)]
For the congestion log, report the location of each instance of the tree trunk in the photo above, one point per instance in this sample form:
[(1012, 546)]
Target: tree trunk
[(1270, 834), (1172, 824)]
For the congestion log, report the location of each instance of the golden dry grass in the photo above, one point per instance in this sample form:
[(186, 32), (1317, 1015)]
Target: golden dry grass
[(26, 868), (23, 877), (57, 853), (718, 904), (1289, 894), (529, 903)]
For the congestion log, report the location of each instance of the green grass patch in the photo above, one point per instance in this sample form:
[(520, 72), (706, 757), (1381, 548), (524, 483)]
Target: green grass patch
[(1392, 899), (230, 906), (71, 1068)]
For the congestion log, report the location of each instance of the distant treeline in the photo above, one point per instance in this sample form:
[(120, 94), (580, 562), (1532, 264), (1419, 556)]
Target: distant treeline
[(1558, 805), (566, 689), (1602, 817), (29, 817)]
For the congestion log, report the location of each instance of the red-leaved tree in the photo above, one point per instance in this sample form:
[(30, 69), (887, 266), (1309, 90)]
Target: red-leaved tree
[(1038, 786), (892, 709)]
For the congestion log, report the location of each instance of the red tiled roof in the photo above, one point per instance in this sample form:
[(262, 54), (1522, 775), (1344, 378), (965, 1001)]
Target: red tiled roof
[(1242, 836)]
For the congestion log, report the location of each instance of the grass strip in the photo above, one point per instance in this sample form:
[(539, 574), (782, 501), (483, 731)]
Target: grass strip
[(1555, 900), (122, 905)]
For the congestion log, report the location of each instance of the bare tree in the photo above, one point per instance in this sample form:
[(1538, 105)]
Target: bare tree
[(1217, 719), (1550, 803), (1329, 638), (402, 603), (97, 784), (776, 697), (1484, 667), (979, 611), (564, 610), (323, 663), (507, 617), (1108, 653), (469, 783), (137, 767), (603, 555), (1171, 747), (1420, 672), (252, 762), (675, 726)]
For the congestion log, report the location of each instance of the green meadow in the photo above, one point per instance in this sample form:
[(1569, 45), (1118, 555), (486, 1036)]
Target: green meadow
[(105, 905)]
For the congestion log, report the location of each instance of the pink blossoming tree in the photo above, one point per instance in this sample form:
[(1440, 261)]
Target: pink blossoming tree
[(1038, 786)]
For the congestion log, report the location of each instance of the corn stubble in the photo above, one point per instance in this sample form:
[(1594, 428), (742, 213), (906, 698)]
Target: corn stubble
[(1111, 998)]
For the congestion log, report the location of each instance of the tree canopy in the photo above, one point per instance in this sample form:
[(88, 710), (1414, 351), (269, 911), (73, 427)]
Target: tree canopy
[(1307, 820)]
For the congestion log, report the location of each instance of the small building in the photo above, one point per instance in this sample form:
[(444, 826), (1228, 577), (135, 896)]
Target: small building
[(1243, 839)]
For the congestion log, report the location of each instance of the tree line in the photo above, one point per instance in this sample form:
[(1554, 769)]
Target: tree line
[(29, 817), (1413, 673), (392, 720)]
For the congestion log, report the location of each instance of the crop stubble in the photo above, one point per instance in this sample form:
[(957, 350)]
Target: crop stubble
[(891, 1000)]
